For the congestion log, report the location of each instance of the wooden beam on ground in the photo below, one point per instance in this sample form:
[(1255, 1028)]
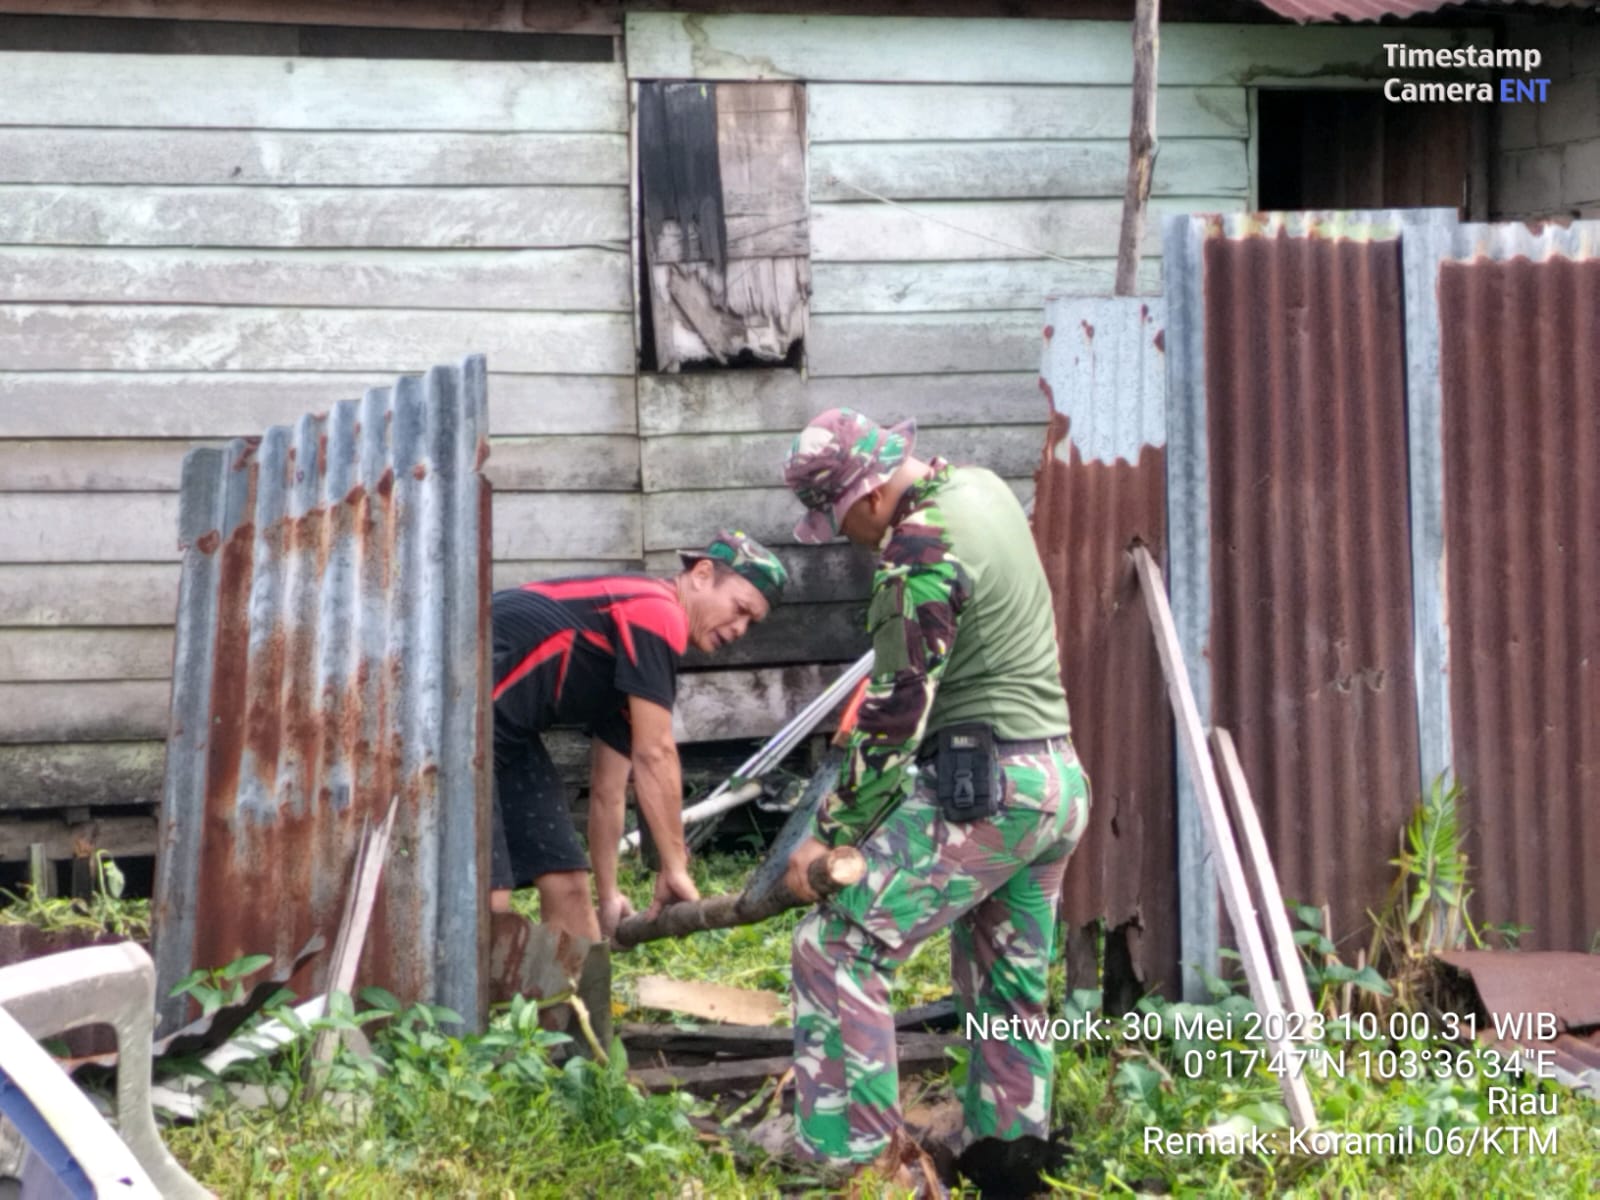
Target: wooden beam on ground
[(745, 1041), (1141, 141), (763, 1040), (710, 1001), (1280, 938), (1214, 815), (917, 1052)]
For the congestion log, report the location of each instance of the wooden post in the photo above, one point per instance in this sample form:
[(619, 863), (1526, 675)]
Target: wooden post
[(1141, 141), (41, 871)]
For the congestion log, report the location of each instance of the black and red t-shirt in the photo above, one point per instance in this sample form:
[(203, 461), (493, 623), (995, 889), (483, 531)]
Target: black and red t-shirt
[(571, 652)]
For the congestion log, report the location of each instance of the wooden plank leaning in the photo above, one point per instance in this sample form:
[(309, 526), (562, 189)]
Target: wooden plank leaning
[(1280, 938), (1214, 816), (371, 856)]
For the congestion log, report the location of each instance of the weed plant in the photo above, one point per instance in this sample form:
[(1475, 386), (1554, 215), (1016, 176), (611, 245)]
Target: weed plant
[(494, 1116)]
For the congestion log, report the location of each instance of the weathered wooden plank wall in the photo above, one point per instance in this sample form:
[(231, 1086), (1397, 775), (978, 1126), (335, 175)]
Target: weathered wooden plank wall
[(920, 141), (194, 247), (182, 261)]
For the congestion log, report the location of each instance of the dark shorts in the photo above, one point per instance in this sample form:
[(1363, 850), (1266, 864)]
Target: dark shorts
[(533, 830)]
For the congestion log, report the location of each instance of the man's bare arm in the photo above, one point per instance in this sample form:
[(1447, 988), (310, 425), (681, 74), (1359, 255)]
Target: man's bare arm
[(658, 785), (608, 788)]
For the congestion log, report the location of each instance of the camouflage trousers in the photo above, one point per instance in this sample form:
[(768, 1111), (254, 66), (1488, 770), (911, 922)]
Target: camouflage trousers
[(997, 884)]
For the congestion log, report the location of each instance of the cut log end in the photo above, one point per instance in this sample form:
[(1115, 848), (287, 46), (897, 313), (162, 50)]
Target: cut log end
[(836, 870)]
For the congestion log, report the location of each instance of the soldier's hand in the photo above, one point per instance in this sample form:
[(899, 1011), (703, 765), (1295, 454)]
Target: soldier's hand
[(612, 910), (672, 885), (794, 876)]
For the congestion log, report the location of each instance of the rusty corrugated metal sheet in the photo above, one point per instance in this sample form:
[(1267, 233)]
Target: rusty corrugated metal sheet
[(1102, 485), (1293, 578), (331, 653), (1518, 374), (1520, 989)]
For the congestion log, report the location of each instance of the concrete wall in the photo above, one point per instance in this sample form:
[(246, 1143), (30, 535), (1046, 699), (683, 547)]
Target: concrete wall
[(1547, 156)]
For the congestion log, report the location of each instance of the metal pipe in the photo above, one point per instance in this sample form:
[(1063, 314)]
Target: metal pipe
[(741, 787)]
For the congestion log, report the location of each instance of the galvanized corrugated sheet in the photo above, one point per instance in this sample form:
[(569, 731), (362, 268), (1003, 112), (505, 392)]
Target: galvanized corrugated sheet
[(332, 653), (1291, 580), (1100, 487), (1507, 460)]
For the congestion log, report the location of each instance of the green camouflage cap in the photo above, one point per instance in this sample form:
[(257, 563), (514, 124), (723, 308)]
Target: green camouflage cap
[(748, 557), (837, 459)]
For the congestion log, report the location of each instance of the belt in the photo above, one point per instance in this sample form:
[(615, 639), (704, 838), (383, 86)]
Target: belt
[(1060, 744)]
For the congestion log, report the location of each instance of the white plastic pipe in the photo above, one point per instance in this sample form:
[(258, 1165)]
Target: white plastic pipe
[(744, 785)]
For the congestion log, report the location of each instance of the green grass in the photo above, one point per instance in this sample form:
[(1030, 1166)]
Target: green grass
[(491, 1117)]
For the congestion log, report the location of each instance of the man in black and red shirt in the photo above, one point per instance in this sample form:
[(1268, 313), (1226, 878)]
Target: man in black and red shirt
[(601, 653)]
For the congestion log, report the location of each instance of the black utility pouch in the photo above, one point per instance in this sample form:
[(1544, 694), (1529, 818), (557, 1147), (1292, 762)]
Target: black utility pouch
[(967, 771)]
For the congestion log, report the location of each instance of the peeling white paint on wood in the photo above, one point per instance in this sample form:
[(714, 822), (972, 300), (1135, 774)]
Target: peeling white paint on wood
[(996, 50), (141, 527), (310, 93), (446, 217), (116, 338), (221, 405), (971, 287), (755, 459), (102, 711), (33, 594), (541, 464), (891, 344), (779, 401), (43, 655), (254, 157), (567, 525), (1013, 170), (932, 230), (587, 279), (906, 112)]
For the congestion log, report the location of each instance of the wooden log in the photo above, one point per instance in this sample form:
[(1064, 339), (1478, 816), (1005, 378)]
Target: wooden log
[(1141, 141), (828, 875)]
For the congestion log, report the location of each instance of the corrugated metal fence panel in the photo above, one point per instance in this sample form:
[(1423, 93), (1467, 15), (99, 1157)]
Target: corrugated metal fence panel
[(1297, 467), (1101, 486), (1519, 382), (331, 653)]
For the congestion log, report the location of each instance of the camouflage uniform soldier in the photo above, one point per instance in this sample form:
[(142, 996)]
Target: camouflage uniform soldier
[(962, 627)]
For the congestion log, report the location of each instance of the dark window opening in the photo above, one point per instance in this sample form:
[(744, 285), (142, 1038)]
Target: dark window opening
[(725, 274), (1330, 149), (132, 35)]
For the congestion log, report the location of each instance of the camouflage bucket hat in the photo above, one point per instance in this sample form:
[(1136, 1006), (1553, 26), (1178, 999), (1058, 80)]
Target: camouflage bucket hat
[(836, 460), (749, 559)]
